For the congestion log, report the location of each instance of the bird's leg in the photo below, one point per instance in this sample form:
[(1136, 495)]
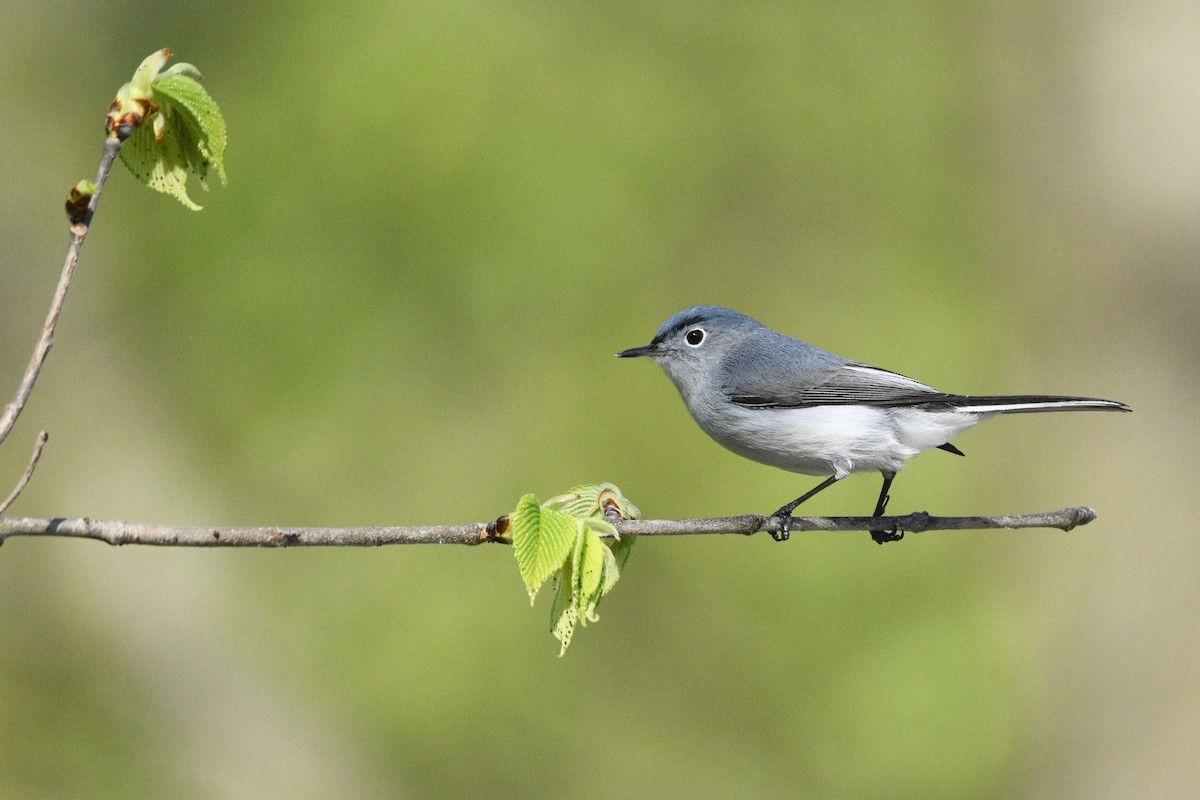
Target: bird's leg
[(893, 535), (785, 514)]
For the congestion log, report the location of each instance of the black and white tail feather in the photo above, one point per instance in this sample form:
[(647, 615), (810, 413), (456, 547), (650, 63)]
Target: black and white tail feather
[(853, 384)]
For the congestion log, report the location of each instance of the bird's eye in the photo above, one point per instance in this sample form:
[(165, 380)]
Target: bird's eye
[(694, 337)]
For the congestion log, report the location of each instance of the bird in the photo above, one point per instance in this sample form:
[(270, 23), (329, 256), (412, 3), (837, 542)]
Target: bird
[(789, 404)]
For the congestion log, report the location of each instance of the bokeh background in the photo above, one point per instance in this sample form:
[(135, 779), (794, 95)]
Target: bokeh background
[(443, 220)]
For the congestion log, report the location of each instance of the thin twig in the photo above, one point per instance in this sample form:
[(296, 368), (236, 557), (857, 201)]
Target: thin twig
[(79, 232), (33, 461), (8, 417), (116, 532)]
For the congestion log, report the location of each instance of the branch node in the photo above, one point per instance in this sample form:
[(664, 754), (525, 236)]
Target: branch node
[(495, 531), (283, 538)]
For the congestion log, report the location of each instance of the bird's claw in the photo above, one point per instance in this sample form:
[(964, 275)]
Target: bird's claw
[(895, 534), (881, 537), (785, 523)]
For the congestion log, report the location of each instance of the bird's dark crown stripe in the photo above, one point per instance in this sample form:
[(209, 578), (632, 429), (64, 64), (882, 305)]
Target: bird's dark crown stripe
[(686, 321), (683, 323)]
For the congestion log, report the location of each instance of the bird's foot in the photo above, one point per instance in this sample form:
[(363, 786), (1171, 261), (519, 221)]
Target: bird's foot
[(784, 515), (881, 537)]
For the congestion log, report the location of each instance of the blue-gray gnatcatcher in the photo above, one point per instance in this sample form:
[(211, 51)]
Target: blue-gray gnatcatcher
[(783, 402)]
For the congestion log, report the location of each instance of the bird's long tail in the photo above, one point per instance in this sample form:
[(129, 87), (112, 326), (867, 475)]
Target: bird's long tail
[(1028, 403)]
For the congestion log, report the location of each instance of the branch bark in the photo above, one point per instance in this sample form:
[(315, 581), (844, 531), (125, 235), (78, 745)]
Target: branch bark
[(116, 532), (33, 462), (79, 232)]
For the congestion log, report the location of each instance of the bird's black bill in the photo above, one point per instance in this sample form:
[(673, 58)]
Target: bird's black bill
[(634, 352)]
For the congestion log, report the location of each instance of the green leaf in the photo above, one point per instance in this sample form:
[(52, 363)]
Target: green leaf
[(610, 496), (579, 588), (612, 570), (143, 76), (200, 121), (171, 127), (594, 500), (602, 527), (542, 540), (564, 614), (620, 550), (159, 163), (591, 575), (569, 539), (575, 502)]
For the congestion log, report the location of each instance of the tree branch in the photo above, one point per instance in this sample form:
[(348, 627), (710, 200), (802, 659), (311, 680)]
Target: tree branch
[(33, 461), (116, 532), (79, 232)]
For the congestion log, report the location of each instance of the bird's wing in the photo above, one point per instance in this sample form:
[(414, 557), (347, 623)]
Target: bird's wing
[(849, 383)]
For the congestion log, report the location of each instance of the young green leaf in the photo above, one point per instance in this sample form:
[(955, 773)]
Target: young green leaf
[(602, 527), (542, 539), (579, 588), (594, 500), (591, 575), (609, 496), (201, 125), (186, 135), (134, 101), (612, 570), (620, 550), (569, 539), (564, 614), (161, 164)]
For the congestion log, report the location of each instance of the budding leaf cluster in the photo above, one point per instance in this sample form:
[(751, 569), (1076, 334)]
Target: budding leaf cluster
[(78, 201), (568, 540), (171, 127)]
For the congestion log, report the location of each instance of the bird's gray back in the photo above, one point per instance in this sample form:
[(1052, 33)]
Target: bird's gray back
[(767, 363)]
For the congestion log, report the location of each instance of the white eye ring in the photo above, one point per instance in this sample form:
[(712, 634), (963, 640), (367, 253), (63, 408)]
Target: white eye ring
[(694, 337)]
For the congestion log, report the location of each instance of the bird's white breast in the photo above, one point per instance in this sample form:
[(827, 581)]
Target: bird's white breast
[(832, 440)]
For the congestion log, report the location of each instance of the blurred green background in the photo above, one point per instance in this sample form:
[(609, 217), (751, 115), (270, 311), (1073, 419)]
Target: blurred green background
[(443, 220)]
